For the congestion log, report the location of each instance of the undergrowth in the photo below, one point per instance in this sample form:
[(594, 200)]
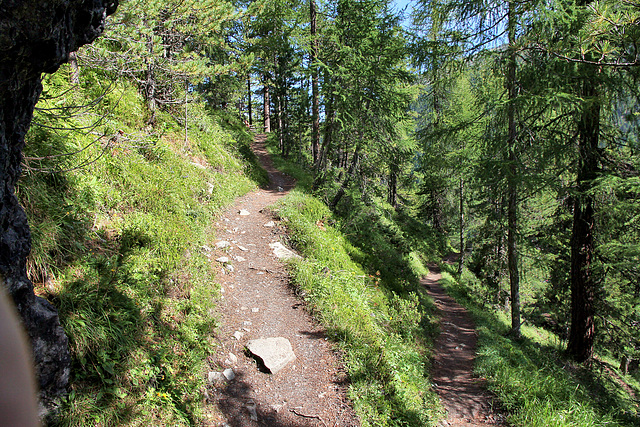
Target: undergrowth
[(536, 385), (121, 231)]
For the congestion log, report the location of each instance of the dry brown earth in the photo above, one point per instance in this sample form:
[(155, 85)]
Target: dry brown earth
[(464, 396)]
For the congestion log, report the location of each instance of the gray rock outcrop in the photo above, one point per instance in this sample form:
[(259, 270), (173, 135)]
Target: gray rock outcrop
[(36, 36)]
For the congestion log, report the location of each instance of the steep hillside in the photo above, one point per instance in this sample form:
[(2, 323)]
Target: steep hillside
[(120, 214)]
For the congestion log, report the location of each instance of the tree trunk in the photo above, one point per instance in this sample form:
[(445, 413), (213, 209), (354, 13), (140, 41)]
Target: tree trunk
[(249, 103), (150, 92), (347, 179), (512, 187), (461, 216), (328, 132), (315, 105), (583, 283), (266, 107), (75, 70), (279, 109), (393, 185)]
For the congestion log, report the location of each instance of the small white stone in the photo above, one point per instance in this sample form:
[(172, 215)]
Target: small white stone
[(240, 259), (215, 377), (206, 248), (242, 248), (243, 212), (252, 412), (229, 374), (222, 244), (229, 267), (233, 358), (270, 224), (223, 259), (238, 335), (255, 310)]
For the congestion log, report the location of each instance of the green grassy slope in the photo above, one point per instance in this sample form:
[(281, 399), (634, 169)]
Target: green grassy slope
[(121, 230)]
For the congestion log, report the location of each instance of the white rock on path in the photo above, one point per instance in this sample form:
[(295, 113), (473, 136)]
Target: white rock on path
[(281, 252), (270, 224), (223, 259), (243, 212), (222, 244), (275, 353), (216, 377), (229, 374)]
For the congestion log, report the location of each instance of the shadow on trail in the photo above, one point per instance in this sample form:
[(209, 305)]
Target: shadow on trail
[(241, 410), (530, 370)]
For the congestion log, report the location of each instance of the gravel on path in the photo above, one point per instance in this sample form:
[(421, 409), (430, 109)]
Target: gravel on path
[(258, 302)]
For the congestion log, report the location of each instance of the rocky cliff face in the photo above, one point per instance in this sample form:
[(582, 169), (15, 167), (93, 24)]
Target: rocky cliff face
[(36, 36)]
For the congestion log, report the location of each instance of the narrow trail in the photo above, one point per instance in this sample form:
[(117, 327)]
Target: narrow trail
[(257, 302), (465, 397)]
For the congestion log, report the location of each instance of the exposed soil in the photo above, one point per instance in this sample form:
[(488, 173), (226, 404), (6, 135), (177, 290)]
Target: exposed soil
[(258, 301), (464, 396)]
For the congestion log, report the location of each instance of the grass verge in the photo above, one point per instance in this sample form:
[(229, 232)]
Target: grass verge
[(383, 328)]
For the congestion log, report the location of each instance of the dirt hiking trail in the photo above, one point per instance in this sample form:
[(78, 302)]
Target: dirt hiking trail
[(464, 396), (258, 302)]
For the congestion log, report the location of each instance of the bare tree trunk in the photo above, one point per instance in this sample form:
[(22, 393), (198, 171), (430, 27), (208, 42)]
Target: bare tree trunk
[(266, 107), (393, 185), (512, 187), (249, 103), (461, 216), (75, 70), (186, 117), (150, 93), (279, 108), (583, 283), (328, 133), (315, 105)]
